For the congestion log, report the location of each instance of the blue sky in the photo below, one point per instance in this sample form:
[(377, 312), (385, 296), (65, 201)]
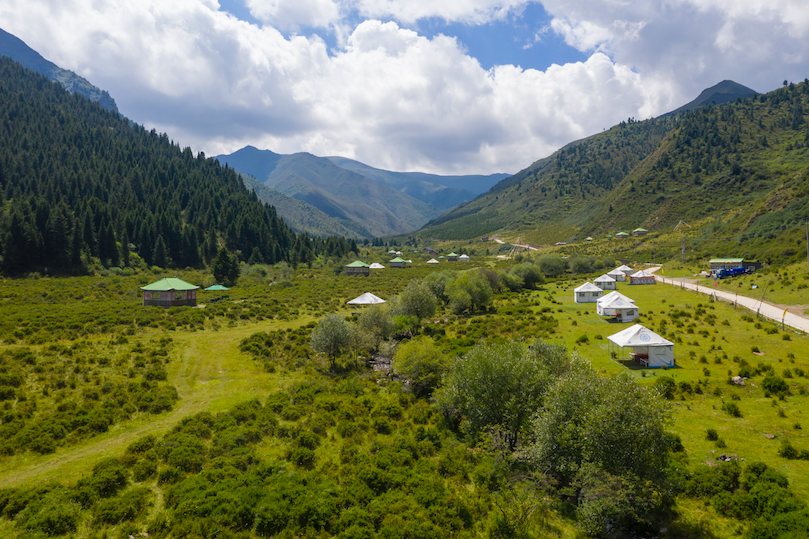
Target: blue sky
[(442, 86)]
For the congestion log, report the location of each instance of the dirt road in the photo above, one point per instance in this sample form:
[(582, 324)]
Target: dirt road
[(768, 310)]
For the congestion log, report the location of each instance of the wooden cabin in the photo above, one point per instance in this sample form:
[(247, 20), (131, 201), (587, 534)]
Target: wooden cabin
[(358, 267), (170, 292)]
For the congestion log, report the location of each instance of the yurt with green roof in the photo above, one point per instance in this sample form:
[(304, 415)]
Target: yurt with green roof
[(397, 262), (169, 292)]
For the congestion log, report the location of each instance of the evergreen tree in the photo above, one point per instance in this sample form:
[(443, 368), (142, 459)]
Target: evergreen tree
[(225, 268), (160, 257)]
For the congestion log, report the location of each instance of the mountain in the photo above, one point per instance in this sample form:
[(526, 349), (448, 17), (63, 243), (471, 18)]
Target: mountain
[(374, 207), (443, 192), (724, 92), (18, 51), (303, 217), (737, 172), (82, 186)]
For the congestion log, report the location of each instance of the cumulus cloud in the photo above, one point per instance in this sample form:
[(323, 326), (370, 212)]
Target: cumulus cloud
[(393, 98), (465, 11), (293, 14), (692, 43)]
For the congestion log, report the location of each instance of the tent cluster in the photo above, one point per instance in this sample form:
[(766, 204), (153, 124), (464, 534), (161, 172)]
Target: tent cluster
[(648, 348)]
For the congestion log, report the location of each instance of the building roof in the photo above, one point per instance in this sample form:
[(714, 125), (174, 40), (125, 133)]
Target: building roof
[(640, 230), (397, 259), (641, 273), (616, 271), (452, 254), (623, 268), (432, 261), (588, 287), (357, 264), (638, 335), (616, 302), (615, 294), (216, 287), (464, 257), (377, 265), (726, 260), (605, 279), (168, 284), (366, 299), (622, 234)]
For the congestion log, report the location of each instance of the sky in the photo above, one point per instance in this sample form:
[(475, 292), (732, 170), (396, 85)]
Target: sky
[(441, 86)]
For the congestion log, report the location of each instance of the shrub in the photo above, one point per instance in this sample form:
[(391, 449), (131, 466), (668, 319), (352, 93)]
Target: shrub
[(422, 363), (712, 435), (775, 385), (732, 409), (126, 507), (666, 386)]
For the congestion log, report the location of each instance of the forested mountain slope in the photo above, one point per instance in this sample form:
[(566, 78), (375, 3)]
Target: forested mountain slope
[(80, 183), (742, 166), (17, 50)]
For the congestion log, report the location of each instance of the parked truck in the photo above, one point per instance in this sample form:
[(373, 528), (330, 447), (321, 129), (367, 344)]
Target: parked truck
[(731, 272)]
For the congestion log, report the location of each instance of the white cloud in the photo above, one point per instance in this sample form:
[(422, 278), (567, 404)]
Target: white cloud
[(391, 97), (465, 11), (293, 14), (692, 43)]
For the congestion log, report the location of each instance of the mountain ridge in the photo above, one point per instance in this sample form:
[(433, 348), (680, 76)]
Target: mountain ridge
[(13, 47)]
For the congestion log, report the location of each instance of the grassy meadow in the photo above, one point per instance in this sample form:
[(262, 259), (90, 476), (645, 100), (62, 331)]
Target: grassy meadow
[(87, 374)]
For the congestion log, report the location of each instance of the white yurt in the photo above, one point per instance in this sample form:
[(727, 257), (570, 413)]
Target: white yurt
[(432, 261), (366, 299), (626, 269), (620, 309), (605, 282), (606, 298), (641, 277), (376, 265), (587, 293), (463, 258), (648, 347), (617, 274)]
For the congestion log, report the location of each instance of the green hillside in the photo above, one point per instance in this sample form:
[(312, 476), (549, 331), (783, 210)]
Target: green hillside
[(17, 50), (303, 217), (375, 208), (740, 168), (81, 186)]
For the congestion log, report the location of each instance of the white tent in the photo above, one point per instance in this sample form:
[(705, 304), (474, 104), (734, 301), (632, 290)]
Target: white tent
[(641, 277), (617, 274), (432, 261), (606, 298), (376, 265), (647, 346), (587, 293), (605, 282), (618, 308), (463, 258), (626, 269), (366, 299)]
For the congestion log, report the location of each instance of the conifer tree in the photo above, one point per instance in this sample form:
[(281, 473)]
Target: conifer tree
[(160, 257)]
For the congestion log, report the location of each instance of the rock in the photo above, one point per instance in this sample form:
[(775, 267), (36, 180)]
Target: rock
[(738, 380)]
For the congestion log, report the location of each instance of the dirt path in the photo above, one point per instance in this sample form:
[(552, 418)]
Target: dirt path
[(210, 374), (523, 245), (779, 313)]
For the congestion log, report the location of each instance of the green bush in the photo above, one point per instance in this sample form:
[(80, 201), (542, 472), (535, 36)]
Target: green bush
[(123, 508)]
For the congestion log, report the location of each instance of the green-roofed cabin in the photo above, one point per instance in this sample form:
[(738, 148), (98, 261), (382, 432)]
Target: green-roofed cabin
[(169, 292), (452, 257), (398, 262), (639, 232), (358, 267), (621, 235)]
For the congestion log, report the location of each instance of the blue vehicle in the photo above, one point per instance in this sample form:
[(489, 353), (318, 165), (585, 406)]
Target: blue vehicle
[(731, 272)]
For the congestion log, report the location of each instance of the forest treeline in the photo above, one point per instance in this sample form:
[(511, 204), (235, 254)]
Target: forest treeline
[(82, 185)]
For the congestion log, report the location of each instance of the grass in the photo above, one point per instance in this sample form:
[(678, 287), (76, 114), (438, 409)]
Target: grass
[(210, 374)]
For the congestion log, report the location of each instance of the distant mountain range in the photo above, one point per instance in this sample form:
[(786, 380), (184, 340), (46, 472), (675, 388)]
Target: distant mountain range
[(340, 196), (17, 50), (737, 172)]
